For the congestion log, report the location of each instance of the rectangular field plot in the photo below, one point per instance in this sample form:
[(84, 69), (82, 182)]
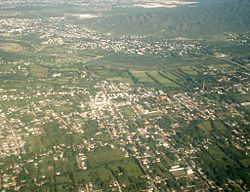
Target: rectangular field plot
[(115, 75), (142, 77), (205, 126), (189, 70), (168, 75), (120, 79), (127, 111), (10, 47), (161, 79), (39, 72), (99, 158)]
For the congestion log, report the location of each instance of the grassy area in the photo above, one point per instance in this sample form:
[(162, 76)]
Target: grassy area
[(205, 126), (39, 72), (127, 111), (160, 79), (152, 115), (245, 162), (52, 136), (61, 80), (123, 170), (180, 173), (219, 155), (90, 128), (104, 156), (112, 74), (11, 47), (142, 77), (241, 98), (247, 107), (104, 174), (169, 75), (82, 176), (220, 126), (189, 70), (121, 79)]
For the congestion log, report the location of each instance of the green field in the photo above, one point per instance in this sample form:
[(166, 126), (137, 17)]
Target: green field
[(189, 70), (112, 74), (127, 111), (39, 72), (169, 75), (205, 126), (246, 162), (142, 77), (160, 79), (105, 156), (220, 126)]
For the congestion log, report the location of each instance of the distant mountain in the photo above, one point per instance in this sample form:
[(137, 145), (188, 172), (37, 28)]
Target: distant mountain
[(207, 18)]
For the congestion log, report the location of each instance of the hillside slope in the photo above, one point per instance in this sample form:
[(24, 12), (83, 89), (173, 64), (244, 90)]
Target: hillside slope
[(205, 19)]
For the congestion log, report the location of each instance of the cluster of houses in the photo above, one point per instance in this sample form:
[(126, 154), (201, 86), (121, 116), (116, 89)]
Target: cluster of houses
[(113, 105), (82, 38)]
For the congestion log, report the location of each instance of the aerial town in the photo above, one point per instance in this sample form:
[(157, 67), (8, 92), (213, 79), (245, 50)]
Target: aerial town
[(86, 110)]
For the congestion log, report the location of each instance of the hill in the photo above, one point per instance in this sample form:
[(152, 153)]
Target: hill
[(205, 19)]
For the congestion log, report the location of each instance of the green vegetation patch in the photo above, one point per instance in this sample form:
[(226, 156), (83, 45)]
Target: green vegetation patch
[(127, 111), (153, 114), (112, 74), (125, 171), (220, 156), (52, 136), (82, 176), (104, 174), (180, 173), (121, 79), (169, 75), (104, 156), (61, 80), (247, 107), (220, 126), (205, 126), (90, 128), (10, 47), (246, 162), (39, 72), (141, 77), (189, 70), (160, 79)]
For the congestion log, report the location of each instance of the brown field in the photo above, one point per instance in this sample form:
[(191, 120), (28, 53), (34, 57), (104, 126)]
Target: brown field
[(10, 47), (205, 126), (246, 162)]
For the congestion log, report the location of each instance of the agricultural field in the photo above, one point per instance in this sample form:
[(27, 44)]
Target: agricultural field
[(141, 77), (127, 111), (114, 75), (156, 76), (39, 72), (190, 70), (10, 47), (205, 126), (169, 75), (104, 156)]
